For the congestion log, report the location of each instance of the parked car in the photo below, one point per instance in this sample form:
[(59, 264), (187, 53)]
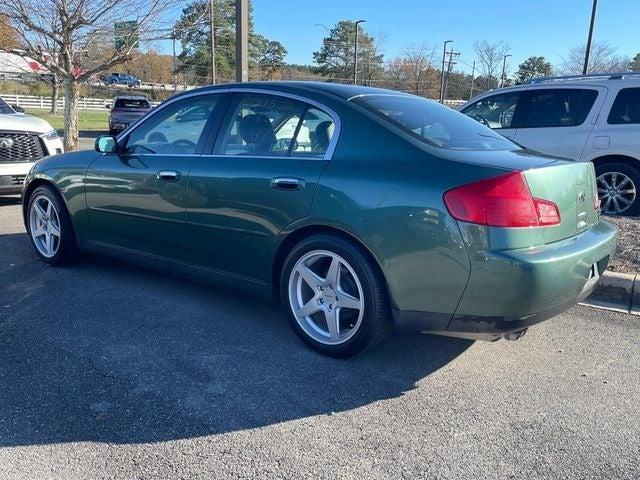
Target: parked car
[(126, 109), (24, 139), (593, 118), (122, 79), (361, 209)]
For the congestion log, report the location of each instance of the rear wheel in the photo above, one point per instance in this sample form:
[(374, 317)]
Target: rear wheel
[(618, 189), (335, 297), (49, 227)]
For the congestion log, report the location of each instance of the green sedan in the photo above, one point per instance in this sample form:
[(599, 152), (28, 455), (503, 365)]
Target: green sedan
[(362, 210)]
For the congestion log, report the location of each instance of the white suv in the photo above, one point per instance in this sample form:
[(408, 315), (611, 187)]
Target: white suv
[(24, 139), (593, 118)]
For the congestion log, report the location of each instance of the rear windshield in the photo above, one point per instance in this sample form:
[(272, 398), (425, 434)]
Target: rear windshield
[(5, 108), (433, 123), (133, 103)]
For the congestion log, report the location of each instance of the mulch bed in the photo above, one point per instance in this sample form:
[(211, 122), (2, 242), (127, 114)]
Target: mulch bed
[(627, 258)]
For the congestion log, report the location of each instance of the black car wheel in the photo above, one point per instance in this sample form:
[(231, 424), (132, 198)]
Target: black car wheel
[(335, 296), (49, 227), (618, 188)]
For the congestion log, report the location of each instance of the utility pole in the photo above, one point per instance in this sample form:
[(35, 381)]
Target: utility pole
[(504, 68), (444, 54), (242, 33), (175, 64), (587, 52), (451, 54), (212, 13), (473, 75), (355, 54)]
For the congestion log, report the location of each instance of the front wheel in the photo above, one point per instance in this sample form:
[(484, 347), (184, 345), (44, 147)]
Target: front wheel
[(334, 296), (49, 227), (618, 188)]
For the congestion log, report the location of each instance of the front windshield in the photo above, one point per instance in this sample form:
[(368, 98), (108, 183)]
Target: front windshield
[(5, 108), (434, 123)]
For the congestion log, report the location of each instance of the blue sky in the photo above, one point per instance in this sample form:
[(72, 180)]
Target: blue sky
[(530, 27)]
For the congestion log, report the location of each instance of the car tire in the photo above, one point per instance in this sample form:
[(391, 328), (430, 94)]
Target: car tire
[(63, 247), (356, 295), (626, 179)]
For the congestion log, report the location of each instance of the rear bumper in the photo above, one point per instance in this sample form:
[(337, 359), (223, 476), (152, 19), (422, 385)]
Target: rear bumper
[(511, 290)]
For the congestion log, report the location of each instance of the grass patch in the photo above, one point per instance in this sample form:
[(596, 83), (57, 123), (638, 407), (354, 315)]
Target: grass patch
[(87, 119)]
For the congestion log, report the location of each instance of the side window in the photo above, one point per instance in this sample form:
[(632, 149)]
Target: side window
[(559, 108), (175, 129), (314, 135), (496, 111), (626, 107), (261, 125)]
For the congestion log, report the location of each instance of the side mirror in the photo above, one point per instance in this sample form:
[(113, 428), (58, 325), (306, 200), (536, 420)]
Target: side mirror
[(18, 109), (106, 144)]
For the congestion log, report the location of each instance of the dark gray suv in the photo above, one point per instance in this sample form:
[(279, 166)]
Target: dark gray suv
[(127, 109)]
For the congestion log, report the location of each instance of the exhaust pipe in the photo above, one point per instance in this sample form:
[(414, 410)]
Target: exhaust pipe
[(513, 336)]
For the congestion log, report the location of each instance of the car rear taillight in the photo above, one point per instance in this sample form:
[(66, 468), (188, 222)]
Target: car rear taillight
[(503, 201)]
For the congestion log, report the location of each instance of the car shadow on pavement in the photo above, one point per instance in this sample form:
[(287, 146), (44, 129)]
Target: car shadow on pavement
[(106, 352), (10, 200)]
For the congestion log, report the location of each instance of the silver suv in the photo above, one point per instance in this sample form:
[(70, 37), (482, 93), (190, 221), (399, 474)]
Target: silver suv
[(24, 139), (593, 118)]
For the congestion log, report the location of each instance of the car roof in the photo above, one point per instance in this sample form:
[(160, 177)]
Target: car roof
[(612, 80), (130, 97), (336, 89)]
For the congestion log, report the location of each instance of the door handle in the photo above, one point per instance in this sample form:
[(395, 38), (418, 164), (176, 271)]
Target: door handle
[(168, 175), (282, 183)]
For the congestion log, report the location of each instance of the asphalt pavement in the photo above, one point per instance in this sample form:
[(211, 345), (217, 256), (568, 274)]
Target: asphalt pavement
[(113, 371)]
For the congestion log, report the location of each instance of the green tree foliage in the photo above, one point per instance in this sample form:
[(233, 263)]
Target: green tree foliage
[(336, 57), (193, 30), (271, 58), (533, 67), (635, 63)]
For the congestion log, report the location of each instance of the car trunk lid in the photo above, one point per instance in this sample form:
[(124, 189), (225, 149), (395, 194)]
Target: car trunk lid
[(571, 186)]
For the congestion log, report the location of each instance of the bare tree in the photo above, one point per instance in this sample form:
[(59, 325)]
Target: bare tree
[(64, 36), (414, 71), (603, 59), (490, 57)]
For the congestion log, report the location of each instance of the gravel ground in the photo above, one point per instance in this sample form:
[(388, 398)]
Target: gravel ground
[(627, 259), (112, 371)]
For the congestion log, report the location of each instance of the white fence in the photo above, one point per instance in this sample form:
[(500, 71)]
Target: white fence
[(39, 102)]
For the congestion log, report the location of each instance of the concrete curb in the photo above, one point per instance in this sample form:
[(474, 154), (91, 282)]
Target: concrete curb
[(616, 291)]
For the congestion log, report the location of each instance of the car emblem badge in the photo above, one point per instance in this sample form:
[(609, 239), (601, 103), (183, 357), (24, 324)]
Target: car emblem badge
[(6, 142), (582, 197)]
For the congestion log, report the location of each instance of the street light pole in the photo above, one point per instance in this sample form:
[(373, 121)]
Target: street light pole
[(587, 52), (473, 78), (504, 67), (355, 54), (212, 12), (444, 55)]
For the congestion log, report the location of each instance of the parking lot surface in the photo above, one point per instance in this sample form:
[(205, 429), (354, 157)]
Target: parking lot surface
[(112, 371)]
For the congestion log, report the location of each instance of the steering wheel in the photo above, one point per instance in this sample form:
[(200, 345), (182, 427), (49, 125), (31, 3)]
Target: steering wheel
[(481, 119), (283, 145), (183, 146)]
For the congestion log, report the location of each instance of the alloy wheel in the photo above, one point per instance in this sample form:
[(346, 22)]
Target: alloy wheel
[(617, 192), (326, 297), (44, 224)]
